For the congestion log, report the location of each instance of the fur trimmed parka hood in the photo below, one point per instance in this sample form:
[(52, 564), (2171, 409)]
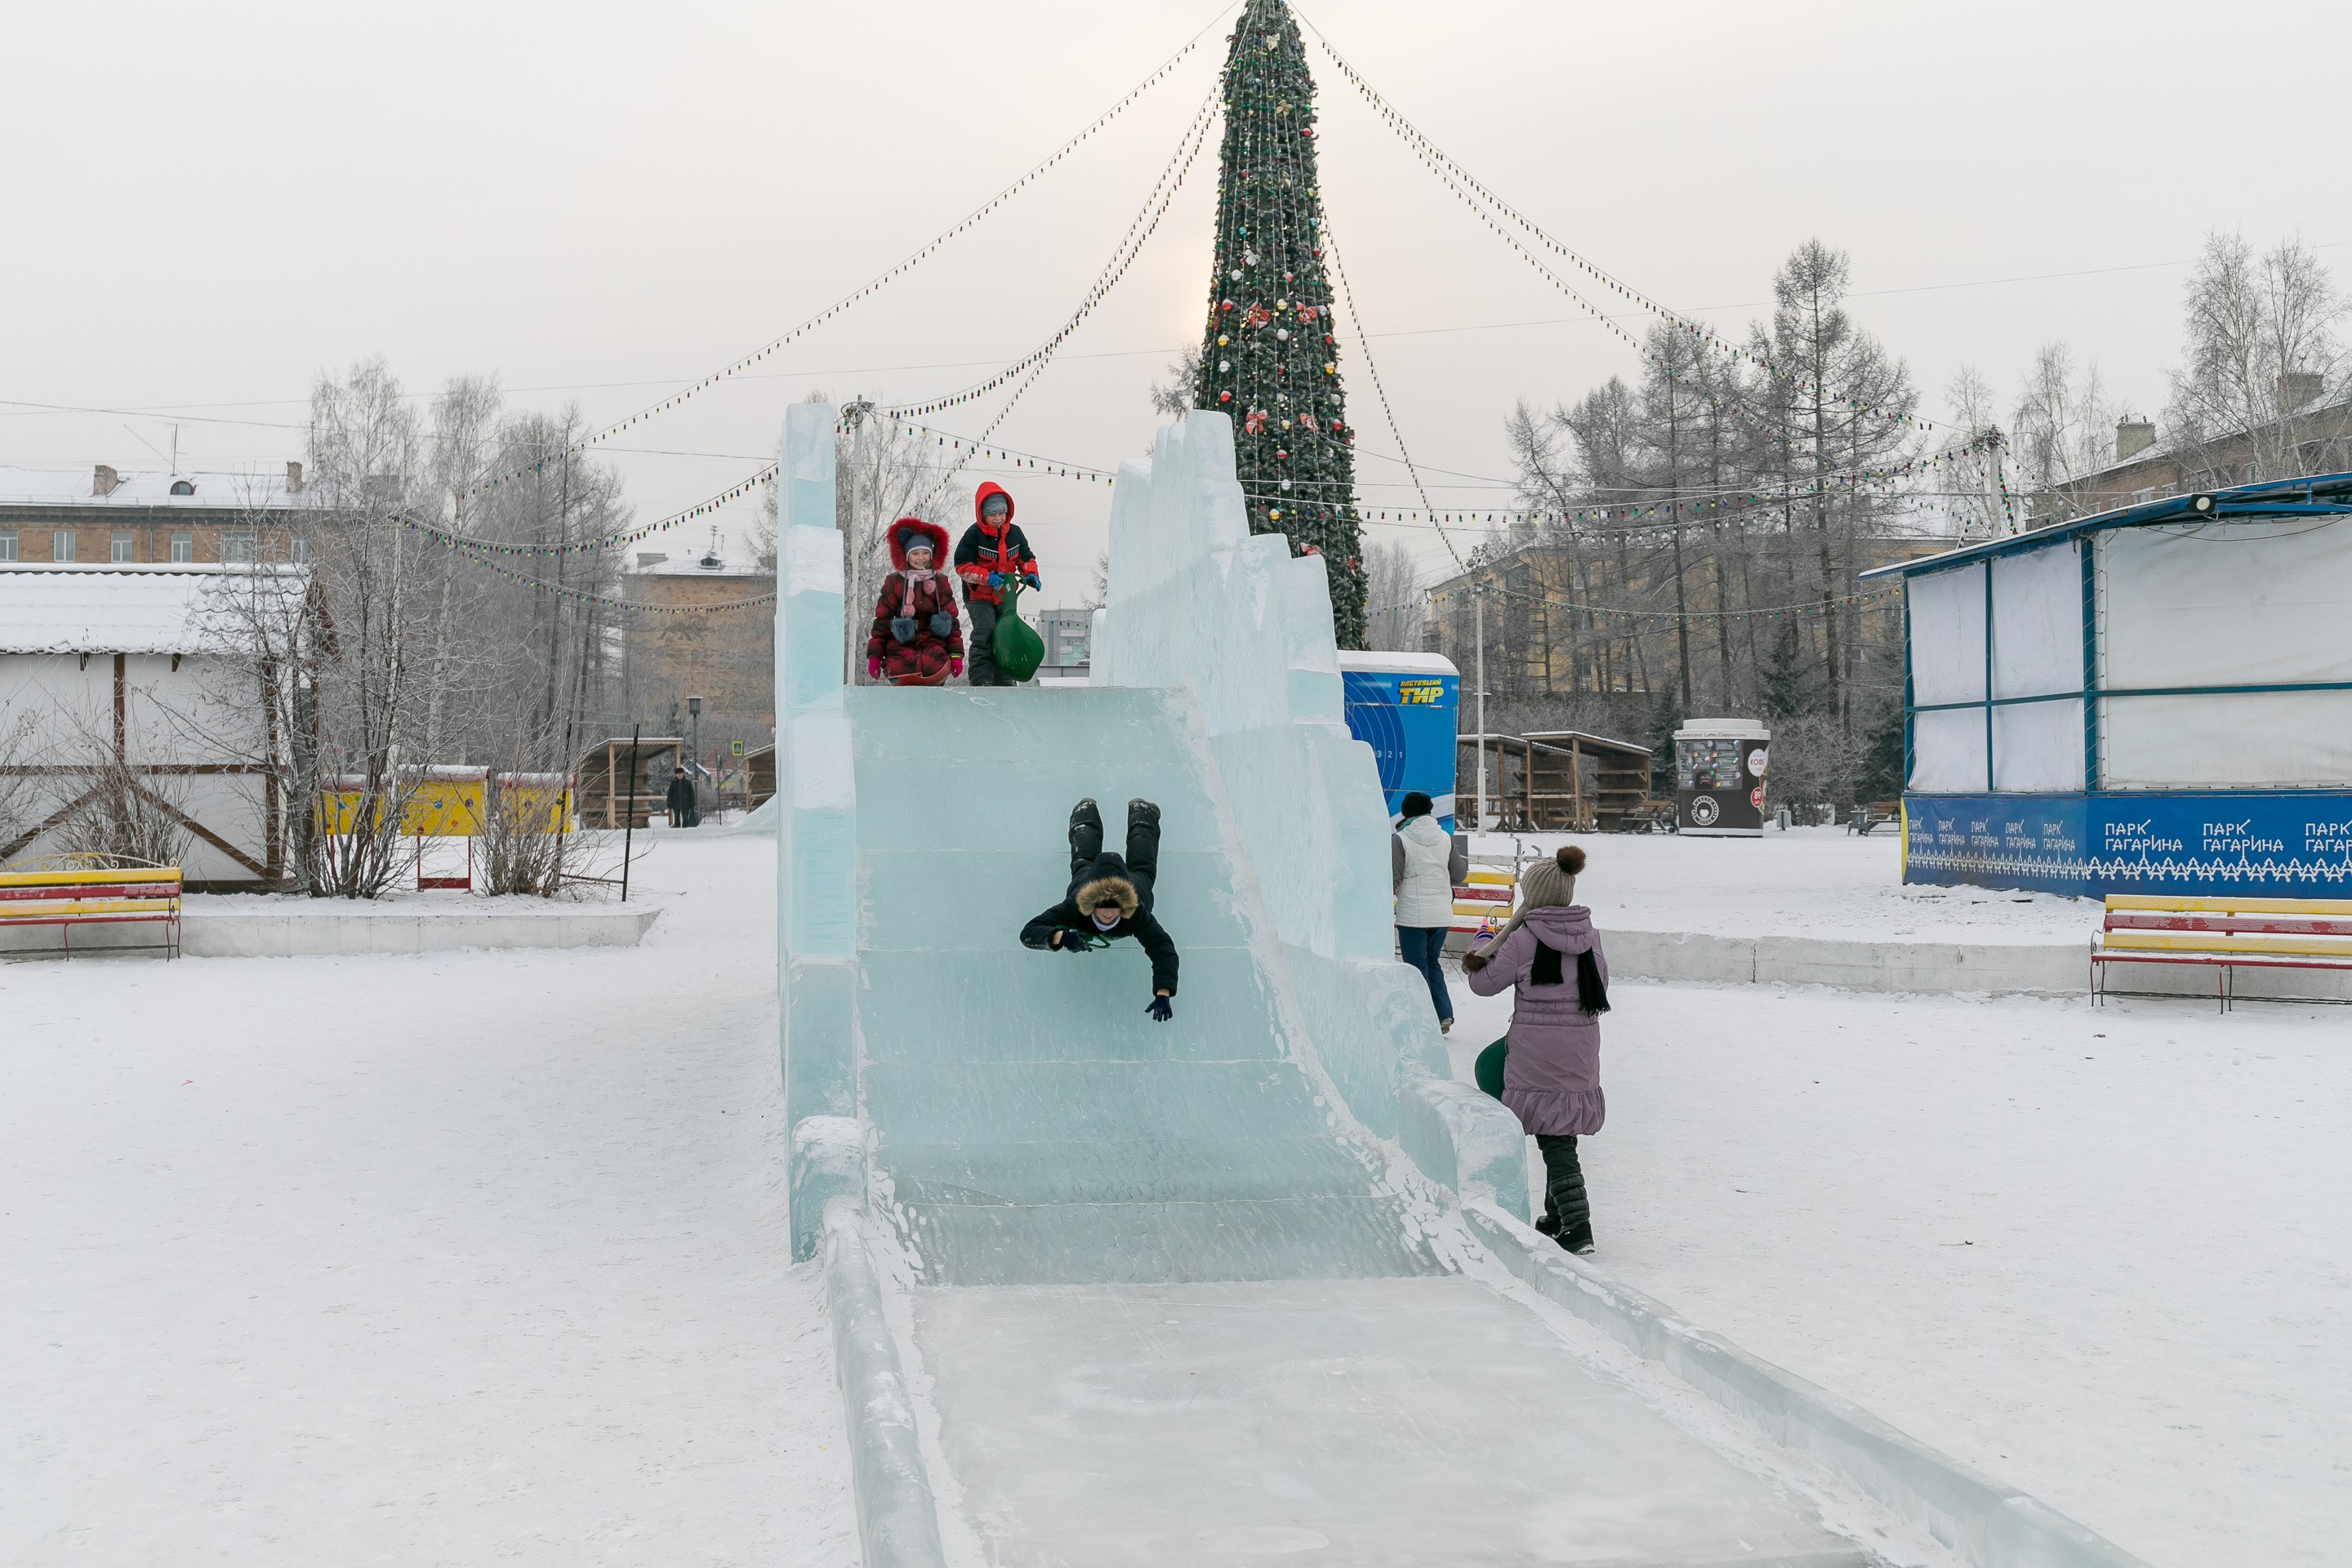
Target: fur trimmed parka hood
[(930, 533), (1108, 884)]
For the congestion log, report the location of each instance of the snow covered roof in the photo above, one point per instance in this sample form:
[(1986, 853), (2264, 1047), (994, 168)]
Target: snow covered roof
[(1396, 663), (204, 492), (54, 609), (703, 565), (2320, 495)]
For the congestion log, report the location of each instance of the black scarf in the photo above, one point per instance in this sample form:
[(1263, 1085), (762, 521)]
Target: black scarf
[(1591, 994)]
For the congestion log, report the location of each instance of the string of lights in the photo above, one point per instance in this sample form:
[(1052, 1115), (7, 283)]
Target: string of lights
[(1442, 165), (871, 286)]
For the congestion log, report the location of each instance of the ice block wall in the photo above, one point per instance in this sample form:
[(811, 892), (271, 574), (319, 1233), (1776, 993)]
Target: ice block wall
[(816, 829), (1195, 600)]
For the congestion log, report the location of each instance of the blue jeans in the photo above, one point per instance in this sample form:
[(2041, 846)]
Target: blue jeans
[(1424, 948)]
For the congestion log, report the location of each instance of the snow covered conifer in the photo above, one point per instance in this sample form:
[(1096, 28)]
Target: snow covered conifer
[(1270, 357)]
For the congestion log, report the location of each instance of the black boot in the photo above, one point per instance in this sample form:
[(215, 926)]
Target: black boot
[(1569, 1208), (1548, 1225)]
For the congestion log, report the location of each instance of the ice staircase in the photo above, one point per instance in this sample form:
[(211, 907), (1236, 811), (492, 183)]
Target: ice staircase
[(1032, 1124)]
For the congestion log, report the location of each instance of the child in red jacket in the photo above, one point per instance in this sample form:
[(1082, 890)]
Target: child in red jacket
[(993, 553), (916, 639)]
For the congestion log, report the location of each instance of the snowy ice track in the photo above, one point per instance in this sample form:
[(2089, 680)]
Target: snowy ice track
[(1033, 1125)]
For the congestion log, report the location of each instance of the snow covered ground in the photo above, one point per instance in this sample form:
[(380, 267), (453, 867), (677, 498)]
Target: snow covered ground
[(480, 1257), (2100, 1253), (1811, 881), (459, 1259)]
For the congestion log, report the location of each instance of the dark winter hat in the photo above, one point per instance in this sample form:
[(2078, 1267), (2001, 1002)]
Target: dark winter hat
[(995, 505), (913, 539), (1415, 803)]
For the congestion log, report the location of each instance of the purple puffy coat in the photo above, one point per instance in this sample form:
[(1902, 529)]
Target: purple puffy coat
[(1551, 1079)]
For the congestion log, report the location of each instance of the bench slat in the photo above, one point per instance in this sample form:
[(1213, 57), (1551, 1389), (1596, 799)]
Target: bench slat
[(2165, 941), (2274, 925), (85, 908), (83, 879), (95, 891), (2340, 909)]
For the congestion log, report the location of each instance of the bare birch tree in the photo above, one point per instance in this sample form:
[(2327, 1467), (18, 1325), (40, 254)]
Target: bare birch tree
[(2261, 358)]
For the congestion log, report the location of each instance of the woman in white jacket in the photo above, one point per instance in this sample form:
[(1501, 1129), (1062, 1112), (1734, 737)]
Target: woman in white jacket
[(1424, 868)]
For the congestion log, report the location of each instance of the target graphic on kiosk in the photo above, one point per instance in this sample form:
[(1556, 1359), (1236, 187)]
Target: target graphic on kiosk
[(1720, 777)]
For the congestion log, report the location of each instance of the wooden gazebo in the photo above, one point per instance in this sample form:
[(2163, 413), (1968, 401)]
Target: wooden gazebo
[(1555, 781), (610, 797)]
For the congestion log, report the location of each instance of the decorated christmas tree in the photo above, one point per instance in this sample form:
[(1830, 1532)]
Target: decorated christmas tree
[(1270, 357)]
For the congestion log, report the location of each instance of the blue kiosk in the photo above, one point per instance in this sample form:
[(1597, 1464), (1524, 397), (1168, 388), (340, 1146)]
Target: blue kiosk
[(1403, 706), (2156, 700)]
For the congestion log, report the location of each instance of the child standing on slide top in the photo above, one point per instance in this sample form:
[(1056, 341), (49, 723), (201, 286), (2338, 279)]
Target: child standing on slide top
[(1550, 958), (916, 639), (993, 553)]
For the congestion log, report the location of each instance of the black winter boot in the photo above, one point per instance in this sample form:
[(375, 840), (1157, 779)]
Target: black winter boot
[(1548, 1225), (1564, 1197)]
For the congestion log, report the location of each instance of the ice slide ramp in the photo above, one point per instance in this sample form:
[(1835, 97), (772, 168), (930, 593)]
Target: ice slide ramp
[(1033, 1125), (1183, 1294)]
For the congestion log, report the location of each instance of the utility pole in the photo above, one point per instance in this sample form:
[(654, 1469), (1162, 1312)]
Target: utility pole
[(855, 412), (1478, 599)]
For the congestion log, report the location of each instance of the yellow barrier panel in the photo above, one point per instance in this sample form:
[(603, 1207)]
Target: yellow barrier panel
[(457, 806)]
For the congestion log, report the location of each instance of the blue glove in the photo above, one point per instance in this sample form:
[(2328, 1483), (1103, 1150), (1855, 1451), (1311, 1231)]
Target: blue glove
[(1159, 1010), (1031, 580), (996, 579)]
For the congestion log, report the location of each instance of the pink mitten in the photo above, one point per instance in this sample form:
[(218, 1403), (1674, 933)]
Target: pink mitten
[(873, 669), (955, 667)]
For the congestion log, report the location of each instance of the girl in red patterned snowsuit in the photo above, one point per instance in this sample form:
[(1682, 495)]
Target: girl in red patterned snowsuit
[(916, 639)]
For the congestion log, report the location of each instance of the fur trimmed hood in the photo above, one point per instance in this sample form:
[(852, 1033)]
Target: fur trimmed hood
[(1104, 885), (930, 533)]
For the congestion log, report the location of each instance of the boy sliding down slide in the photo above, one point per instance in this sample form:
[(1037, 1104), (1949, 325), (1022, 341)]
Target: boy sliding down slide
[(1111, 898)]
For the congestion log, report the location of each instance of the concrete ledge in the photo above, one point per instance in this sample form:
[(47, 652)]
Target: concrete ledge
[(2060, 968), (274, 930), (2043, 969), (897, 1522), (1987, 1524)]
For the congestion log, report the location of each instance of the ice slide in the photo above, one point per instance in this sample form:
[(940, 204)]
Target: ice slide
[(1185, 1293)]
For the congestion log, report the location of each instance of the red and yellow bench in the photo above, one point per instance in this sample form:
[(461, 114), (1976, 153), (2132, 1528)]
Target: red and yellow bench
[(66, 899), (2224, 934)]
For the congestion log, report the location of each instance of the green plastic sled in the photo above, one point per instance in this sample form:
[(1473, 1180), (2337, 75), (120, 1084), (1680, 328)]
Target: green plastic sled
[(1489, 1069), (1019, 649)]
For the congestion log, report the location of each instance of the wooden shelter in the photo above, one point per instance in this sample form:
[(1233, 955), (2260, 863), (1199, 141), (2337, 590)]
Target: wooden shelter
[(1556, 781), (759, 774), (613, 794)]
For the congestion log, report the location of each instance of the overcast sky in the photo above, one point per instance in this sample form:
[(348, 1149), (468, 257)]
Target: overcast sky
[(207, 206)]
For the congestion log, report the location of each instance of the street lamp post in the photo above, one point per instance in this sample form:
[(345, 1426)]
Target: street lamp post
[(694, 745)]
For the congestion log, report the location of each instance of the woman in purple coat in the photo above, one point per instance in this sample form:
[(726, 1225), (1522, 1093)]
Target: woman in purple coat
[(1551, 1070)]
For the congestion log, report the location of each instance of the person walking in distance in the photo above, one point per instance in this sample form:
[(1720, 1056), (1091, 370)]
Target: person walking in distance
[(993, 553), (916, 639), (1424, 868), (683, 810), (1111, 898), (1549, 958)]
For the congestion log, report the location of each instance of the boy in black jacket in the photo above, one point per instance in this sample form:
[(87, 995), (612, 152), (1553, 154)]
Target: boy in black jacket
[(1111, 898)]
